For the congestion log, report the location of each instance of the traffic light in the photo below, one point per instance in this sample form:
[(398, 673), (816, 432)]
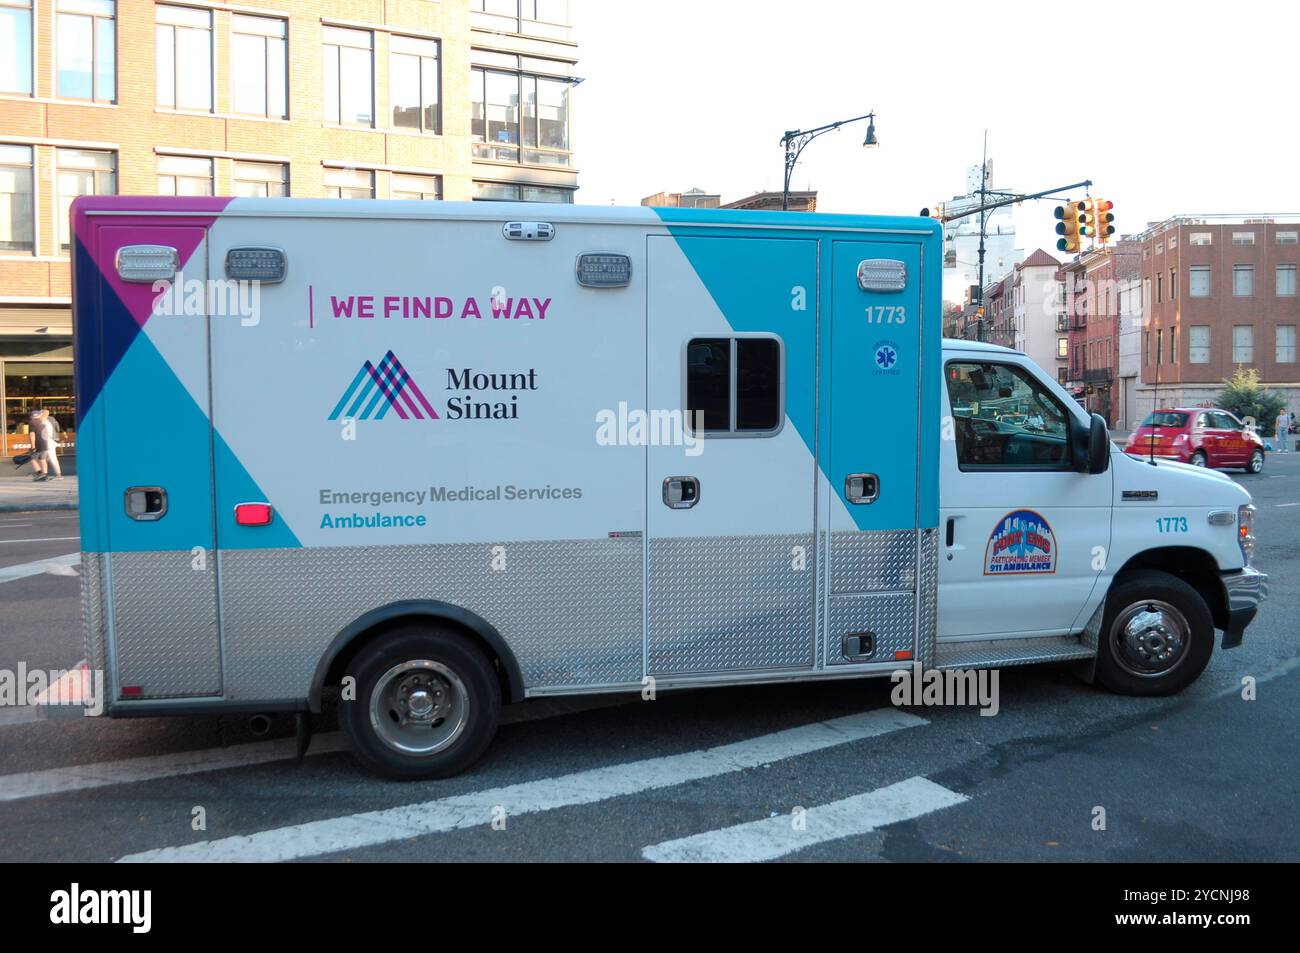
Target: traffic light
[(1105, 219), (1071, 218), (1088, 223)]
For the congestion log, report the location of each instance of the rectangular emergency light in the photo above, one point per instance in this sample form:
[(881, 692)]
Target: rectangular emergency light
[(256, 264), (146, 264), (882, 275)]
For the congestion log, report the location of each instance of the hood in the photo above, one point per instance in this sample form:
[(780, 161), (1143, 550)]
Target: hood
[(1178, 484)]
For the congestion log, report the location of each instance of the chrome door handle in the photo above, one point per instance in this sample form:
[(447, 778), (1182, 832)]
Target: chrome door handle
[(681, 492), (861, 488)]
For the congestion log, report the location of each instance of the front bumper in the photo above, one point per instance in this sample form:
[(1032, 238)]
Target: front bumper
[(1245, 590)]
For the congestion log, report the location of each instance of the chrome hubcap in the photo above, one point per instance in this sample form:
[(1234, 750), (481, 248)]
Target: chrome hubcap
[(1150, 638), (419, 707)]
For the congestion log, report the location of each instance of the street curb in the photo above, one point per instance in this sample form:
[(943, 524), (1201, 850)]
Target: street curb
[(35, 507)]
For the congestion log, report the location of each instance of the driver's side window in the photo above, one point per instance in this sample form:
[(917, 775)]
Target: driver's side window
[(1005, 419)]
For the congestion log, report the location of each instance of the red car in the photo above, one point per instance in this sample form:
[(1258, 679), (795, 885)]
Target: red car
[(1201, 436)]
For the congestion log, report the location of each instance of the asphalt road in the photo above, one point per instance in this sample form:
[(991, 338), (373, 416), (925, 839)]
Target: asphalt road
[(1202, 776)]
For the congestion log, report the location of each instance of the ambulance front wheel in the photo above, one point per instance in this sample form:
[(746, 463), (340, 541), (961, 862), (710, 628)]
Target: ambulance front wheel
[(1156, 635), (424, 703)]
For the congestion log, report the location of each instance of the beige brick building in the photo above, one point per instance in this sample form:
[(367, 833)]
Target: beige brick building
[(454, 99)]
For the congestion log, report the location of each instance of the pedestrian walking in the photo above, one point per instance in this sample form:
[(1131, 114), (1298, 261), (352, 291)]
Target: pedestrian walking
[(51, 428), (40, 444)]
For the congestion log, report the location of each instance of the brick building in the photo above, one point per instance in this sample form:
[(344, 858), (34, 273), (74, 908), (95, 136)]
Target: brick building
[(1092, 317), (1219, 293), (408, 99)]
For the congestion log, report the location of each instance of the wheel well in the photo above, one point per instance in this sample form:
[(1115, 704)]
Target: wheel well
[(374, 625), (1195, 567)]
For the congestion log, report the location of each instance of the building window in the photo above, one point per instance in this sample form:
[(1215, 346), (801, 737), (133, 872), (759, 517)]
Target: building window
[(16, 46), (1198, 344), (735, 385), (1243, 344), (1146, 348), (408, 186), (17, 200), (1062, 375), (413, 84), (1243, 280), (1160, 288), (1286, 281), (184, 175), (184, 58), (86, 50), (1200, 281), (1062, 347), (499, 127), (259, 59), (349, 183), (1285, 344), (1286, 238), (1200, 238), (510, 192), (1173, 345), (82, 172), (349, 71), (261, 179), (1160, 248), (1173, 242), (1243, 238), (544, 18), (1173, 283), (1160, 344)]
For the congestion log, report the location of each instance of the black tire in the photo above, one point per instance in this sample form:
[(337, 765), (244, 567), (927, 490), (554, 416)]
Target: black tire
[(457, 664), (1256, 462), (1132, 599), (1205, 461)]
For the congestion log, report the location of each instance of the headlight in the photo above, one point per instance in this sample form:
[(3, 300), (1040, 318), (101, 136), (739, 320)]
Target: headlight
[(1246, 531)]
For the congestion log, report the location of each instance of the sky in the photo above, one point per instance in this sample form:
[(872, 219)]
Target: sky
[(1170, 108)]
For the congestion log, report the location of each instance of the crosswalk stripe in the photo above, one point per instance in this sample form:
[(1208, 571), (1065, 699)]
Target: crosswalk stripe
[(57, 564), (775, 837), (584, 787)]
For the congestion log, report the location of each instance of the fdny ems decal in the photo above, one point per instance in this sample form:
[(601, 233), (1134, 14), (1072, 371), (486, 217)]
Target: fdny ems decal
[(1021, 542)]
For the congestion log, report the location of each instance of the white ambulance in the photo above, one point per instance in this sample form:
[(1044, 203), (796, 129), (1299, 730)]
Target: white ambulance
[(432, 458)]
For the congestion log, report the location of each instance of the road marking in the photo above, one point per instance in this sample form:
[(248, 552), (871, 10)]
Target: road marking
[(476, 808), (59, 565), (19, 715), (1284, 505), (41, 539), (17, 787), (775, 837)]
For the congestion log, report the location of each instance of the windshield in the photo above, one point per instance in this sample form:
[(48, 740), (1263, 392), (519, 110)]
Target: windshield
[(1164, 418)]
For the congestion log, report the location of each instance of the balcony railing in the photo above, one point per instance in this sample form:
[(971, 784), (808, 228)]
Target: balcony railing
[(1097, 375)]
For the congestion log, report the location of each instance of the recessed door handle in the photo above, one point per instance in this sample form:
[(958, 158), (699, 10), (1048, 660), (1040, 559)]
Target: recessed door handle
[(861, 488), (681, 492), (146, 503), (951, 532)]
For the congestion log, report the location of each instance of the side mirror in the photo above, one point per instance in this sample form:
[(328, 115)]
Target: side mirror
[(1090, 447)]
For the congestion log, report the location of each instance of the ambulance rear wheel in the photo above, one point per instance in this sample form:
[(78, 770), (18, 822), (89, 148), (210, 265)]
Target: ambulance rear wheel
[(425, 703), (1156, 635)]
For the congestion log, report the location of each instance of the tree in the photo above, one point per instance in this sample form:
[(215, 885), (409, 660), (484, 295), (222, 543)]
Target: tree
[(1246, 397)]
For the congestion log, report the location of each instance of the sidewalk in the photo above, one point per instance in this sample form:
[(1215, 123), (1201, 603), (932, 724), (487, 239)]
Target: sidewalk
[(18, 492)]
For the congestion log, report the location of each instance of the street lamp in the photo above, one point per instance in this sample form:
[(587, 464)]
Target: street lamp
[(795, 140)]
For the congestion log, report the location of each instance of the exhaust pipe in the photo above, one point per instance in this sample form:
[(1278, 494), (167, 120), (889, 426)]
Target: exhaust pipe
[(259, 725)]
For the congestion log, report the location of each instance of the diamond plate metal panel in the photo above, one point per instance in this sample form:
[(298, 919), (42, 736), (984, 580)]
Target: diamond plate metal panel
[(873, 561), (890, 617), (927, 594), (92, 610), (165, 624), (1012, 652), (570, 610), (730, 604)]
